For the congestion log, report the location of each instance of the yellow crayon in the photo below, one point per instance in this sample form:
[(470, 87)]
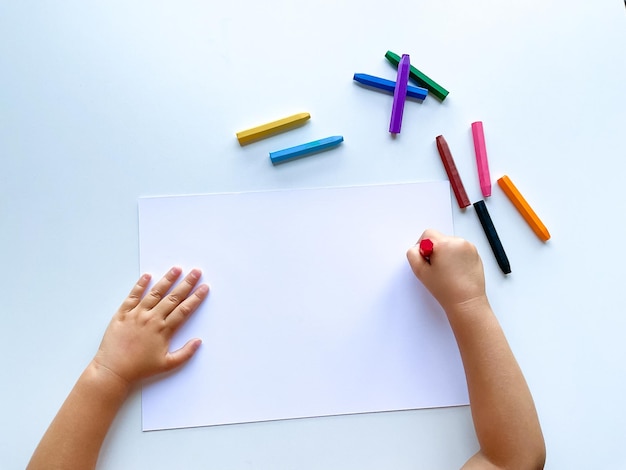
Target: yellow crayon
[(274, 127), (524, 208)]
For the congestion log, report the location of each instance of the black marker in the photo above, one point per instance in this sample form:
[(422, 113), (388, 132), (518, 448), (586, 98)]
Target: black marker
[(492, 236)]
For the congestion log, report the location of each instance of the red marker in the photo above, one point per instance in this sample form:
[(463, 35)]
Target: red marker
[(426, 249)]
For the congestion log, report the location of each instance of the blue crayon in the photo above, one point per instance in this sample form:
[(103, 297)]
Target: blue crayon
[(389, 85), (303, 150)]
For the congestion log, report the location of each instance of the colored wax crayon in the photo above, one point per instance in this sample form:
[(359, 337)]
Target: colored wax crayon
[(524, 208), (422, 80), (453, 174), (399, 95), (389, 85), (426, 249), (271, 128), (492, 236), (481, 158), (285, 155)]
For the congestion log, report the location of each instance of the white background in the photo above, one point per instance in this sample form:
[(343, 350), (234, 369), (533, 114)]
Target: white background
[(101, 103)]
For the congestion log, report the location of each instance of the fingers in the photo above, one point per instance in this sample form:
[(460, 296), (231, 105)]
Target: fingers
[(161, 288), (174, 308), (182, 312), (136, 293), (416, 260), (178, 294), (416, 256)]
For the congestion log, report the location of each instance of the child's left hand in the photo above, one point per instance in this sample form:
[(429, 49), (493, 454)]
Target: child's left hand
[(136, 343)]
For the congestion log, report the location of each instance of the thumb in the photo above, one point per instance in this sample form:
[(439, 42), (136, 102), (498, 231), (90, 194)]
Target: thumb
[(180, 356)]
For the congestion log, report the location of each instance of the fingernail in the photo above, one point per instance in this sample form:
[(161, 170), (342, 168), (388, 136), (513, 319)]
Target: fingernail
[(195, 273), (175, 271), (202, 290)]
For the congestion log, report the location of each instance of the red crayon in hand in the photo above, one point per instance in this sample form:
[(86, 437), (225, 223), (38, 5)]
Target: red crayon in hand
[(426, 249)]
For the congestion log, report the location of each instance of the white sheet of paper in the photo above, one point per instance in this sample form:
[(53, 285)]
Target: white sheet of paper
[(313, 309)]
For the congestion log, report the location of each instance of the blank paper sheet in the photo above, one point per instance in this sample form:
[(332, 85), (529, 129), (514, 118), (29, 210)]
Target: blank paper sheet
[(313, 309)]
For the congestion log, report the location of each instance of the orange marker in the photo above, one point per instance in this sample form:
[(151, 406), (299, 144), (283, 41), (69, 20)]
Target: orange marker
[(522, 206)]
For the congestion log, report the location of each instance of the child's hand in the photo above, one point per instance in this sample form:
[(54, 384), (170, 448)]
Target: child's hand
[(455, 274), (136, 342)]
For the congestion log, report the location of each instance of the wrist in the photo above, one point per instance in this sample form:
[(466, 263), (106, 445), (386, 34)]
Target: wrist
[(106, 381), (468, 307)]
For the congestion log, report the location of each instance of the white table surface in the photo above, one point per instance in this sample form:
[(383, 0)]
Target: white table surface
[(104, 102)]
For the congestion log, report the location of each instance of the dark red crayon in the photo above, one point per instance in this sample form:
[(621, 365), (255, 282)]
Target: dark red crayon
[(453, 173)]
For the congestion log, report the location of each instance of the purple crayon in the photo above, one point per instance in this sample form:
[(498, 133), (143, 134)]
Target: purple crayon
[(399, 94)]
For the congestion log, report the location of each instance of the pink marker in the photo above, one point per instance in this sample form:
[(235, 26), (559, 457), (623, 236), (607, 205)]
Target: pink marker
[(399, 95), (481, 158)]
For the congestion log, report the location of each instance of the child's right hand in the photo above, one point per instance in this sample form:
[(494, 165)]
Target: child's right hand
[(455, 275)]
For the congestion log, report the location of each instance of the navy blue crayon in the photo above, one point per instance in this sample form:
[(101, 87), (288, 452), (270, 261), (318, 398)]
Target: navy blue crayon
[(303, 150), (389, 85), (492, 236)]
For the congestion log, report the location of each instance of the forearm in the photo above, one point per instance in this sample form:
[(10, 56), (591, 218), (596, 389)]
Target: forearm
[(504, 414), (75, 436)]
